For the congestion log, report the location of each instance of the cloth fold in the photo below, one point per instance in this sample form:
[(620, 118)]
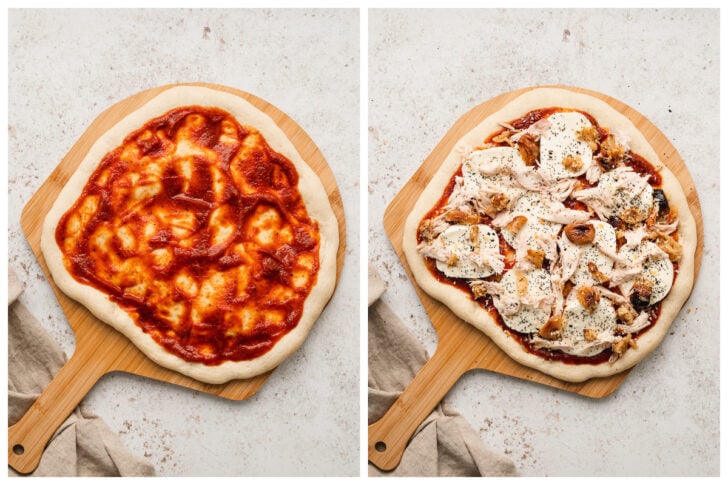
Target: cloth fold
[(83, 445), (444, 444)]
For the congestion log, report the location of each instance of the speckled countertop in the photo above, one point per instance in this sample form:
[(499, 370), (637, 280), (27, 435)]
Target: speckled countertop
[(65, 67), (426, 69)]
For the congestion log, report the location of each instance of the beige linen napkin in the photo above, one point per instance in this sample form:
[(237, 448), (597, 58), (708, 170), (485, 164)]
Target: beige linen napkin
[(83, 445), (444, 444)]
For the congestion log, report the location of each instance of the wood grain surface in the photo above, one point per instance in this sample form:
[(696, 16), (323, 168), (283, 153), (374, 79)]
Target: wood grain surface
[(461, 347), (99, 347)]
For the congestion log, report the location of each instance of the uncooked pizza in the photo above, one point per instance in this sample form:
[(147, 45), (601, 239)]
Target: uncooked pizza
[(194, 227), (554, 228)]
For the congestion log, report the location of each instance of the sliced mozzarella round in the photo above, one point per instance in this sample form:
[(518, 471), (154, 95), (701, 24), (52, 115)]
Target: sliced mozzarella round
[(604, 236), (471, 253), (560, 141), (532, 207), (621, 195), (658, 270), (577, 318), (490, 169), (534, 310)]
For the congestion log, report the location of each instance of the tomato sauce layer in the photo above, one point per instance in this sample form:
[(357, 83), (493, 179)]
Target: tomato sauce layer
[(638, 164), (195, 227)]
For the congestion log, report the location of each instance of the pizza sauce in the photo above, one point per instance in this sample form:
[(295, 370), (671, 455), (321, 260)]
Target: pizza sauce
[(195, 227)]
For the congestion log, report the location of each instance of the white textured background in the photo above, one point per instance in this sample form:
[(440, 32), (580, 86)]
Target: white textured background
[(65, 67), (426, 69)]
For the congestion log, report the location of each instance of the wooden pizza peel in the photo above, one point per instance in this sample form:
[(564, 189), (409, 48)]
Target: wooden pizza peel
[(460, 346), (100, 349)]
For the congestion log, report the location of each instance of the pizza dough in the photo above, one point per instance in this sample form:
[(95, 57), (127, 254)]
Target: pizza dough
[(312, 193), (465, 306)]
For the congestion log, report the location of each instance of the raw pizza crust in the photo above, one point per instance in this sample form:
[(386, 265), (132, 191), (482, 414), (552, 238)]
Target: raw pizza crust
[(466, 308), (309, 185)]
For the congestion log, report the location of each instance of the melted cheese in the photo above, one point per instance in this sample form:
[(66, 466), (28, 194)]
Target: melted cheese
[(621, 196), (577, 319), (531, 206), (603, 235), (658, 270), (530, 316), (560, 141), (457, 240), (490, 170)]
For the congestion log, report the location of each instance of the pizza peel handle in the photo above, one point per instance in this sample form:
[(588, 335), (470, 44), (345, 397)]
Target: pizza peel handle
[(389, 436), (28, 437)]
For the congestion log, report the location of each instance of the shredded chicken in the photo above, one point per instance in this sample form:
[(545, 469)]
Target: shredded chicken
[(557, 289), (460, 197), (671, 247), (607, 251), (431, 228), (623, 274), (564, 345), (560, 190), (651, 218), (528, 178), (613, 297), (434, 249), (665, 228), (486, 256), (506, 305), (539, 128), (561, 214), (630, 182), (593, 173), (481, 288), (570, 257), (601, 199), (602, 341), (504, 137), (633, 237), (640, 322)]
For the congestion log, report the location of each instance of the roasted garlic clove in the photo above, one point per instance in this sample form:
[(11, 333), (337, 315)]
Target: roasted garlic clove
[(528, 147), (580, 233), (551, 330)]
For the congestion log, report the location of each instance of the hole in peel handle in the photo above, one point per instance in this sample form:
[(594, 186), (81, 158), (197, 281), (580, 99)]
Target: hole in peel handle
[(389, 436), (27, 439)]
